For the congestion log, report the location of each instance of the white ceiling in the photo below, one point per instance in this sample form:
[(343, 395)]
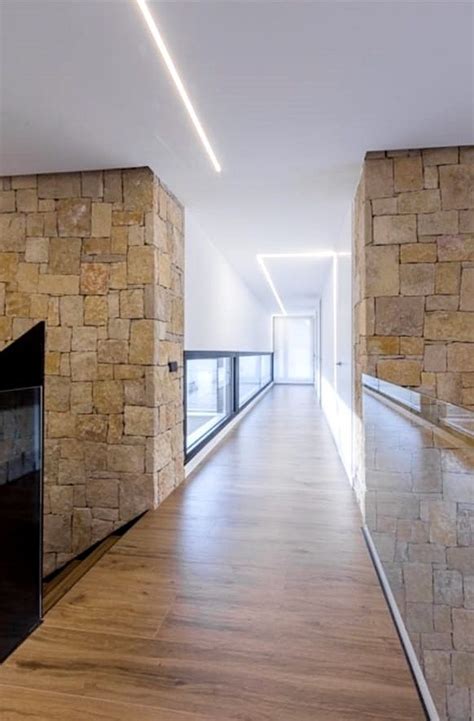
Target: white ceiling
[(291, 94), (299, 280)]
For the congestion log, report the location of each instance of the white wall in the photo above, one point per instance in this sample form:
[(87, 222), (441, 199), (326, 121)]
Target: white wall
[(336, 349), (221, 313)]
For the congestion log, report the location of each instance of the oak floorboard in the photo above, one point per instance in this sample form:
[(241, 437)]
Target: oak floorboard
[(248, 595)]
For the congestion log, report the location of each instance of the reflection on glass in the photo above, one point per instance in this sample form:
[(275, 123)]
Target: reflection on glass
[(420, 512), (208, 396), (20, 509), (255, 372)]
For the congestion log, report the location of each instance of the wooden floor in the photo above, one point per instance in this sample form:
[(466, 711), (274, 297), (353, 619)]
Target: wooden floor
[(249, 595)]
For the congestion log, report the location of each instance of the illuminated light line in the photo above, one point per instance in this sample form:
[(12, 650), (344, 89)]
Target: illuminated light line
[(310, 254), (270, 282), (178, 82)]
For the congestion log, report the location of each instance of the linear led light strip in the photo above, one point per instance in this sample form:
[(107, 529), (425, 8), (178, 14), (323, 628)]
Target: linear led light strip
[(312, 254), (177, 81)]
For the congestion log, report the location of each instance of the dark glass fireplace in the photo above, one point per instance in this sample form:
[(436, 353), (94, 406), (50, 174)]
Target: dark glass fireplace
[(21, 454)]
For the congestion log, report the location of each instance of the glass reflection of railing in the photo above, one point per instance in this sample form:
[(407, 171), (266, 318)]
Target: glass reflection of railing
[(440, 413)]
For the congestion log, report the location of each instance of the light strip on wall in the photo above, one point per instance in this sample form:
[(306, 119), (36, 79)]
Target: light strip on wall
[(270, 282), (178, 82), (310, 254)]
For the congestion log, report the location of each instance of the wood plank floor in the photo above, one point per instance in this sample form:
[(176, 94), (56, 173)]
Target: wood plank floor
[(249, 595)]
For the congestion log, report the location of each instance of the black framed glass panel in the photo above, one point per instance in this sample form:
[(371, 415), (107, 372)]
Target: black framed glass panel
[(208, 397), (255, 372), (20, 515)]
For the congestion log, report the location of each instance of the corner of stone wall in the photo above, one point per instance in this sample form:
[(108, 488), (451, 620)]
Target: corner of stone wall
[(99, 256)]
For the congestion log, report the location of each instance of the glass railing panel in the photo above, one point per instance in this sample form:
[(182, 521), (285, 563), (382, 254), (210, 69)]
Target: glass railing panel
[(420, 514), (250, 377), (208, 396)]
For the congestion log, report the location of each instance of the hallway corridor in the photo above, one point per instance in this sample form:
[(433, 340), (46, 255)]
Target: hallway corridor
[(248, 595)]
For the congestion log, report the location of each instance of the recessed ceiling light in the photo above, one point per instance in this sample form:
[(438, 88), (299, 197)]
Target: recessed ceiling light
[(177, 81), (310, 254)]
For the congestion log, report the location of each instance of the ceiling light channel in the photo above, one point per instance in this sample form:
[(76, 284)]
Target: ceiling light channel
[(178, 82)]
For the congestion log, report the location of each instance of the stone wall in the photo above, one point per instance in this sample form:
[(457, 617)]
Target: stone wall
[(414, 236), (413, 269), (99, 257)]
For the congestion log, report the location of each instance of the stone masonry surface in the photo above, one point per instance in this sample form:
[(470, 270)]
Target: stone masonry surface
[(99, 256)]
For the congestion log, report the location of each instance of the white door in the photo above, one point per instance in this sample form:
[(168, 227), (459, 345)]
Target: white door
[(293, 345)]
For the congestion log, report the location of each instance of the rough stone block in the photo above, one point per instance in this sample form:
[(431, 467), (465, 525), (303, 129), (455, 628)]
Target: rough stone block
[(59, 185), (440, 156), (138, 189), (461, 357), (71, 310), (27, 200), (83, 366), (442, 302), (431, 179), (113, 186), (463, 669), (36, 225), (58, 284), (143, 345), (127, 459), (74, 217), (435, 358), (92, 184), (382, 271), (392, 229), (378, 176), (457, 186), (408, 173), (58, 339), (95, 310), (448, 588), (81, 529), (36, 250), (84, 338), (81, 397), (7, 201), (466, 221), (57, 532), (448, 276), (399, 316), (101, 223), (141, 265), (17, 304), (94, 278), (443, 222), (102, 492), (449, 326), (417, 279), (92, 428), (437, 666), (456, 248), (420, 201), (113, 351), (378, 345), (12, 232), (419, 253), (467, 289), (402, 372), (140, 421), (411, 346), (131, 303), (108, 396)]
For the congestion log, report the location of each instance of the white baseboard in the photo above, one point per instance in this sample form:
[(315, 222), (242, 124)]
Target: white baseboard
[(209, 447), (402, 631)]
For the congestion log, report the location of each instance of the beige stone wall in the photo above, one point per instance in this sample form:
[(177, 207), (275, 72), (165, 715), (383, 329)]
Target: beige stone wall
[(99, 257), (414, 249)]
